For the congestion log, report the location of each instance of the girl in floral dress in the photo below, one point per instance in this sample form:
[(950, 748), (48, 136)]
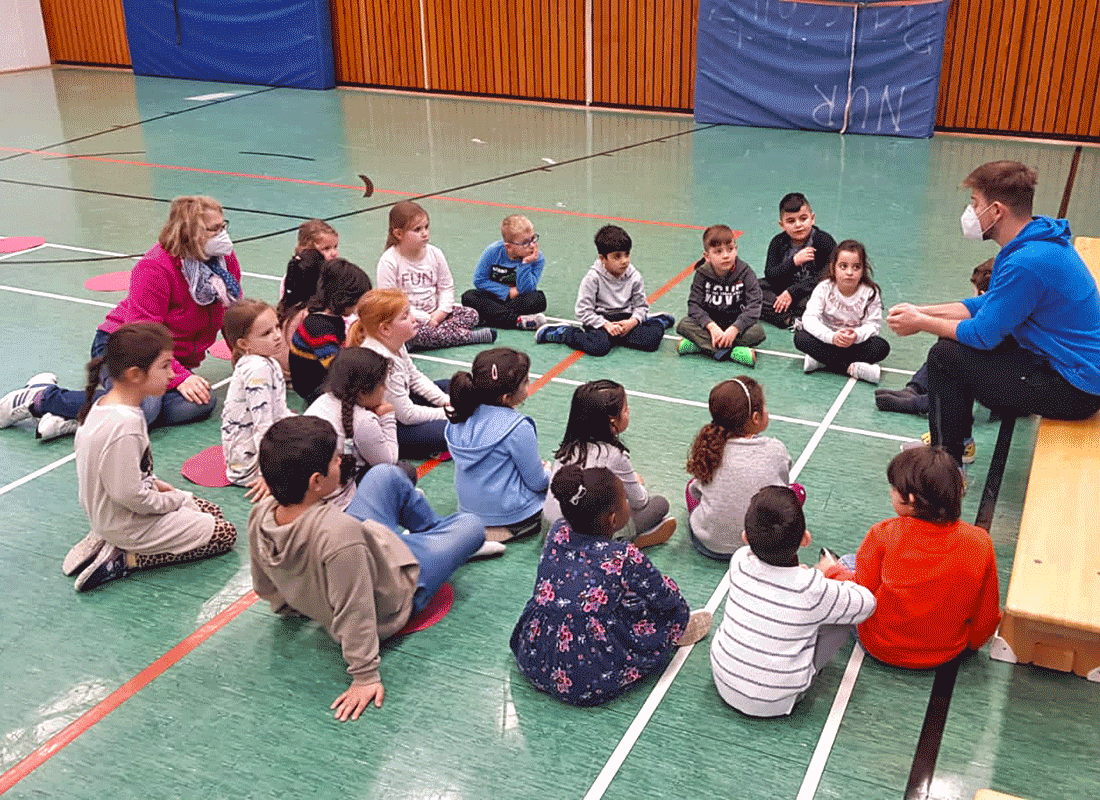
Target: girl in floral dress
[(602, 617)]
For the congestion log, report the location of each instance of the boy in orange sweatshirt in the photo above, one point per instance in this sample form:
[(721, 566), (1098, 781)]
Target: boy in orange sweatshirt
[(934, 577)]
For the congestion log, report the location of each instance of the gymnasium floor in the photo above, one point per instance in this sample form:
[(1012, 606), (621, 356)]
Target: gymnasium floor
[(178, 685)]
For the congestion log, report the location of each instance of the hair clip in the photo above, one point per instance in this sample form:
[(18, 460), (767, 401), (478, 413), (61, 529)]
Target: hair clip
[(493, 372), (576, 498)]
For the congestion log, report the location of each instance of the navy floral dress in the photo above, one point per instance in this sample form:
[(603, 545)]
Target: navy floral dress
[(601, 619)]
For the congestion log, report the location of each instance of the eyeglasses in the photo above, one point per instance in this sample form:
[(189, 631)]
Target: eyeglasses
[(219, 228), (528, 243)]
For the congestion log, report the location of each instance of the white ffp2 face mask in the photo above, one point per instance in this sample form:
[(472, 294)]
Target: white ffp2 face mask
[(220, 245), (971, 225)]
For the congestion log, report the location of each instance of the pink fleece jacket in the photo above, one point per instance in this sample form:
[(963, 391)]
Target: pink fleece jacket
[(159, 293)]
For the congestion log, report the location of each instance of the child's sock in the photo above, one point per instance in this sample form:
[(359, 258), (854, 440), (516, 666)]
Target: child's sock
[(686, 347), (743, 355), (483, 336)]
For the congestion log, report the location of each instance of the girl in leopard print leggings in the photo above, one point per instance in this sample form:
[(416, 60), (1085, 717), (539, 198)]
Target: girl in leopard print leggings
[(137, 520)]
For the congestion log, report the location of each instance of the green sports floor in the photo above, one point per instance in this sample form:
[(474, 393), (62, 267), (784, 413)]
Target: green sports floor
[(172, 683)]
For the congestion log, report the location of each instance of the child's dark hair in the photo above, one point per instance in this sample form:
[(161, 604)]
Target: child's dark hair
[(402, 214), (354, 372), (981, 276), (340, 286), (717, 235), (585, 495), (612, 239), (594, 405), (137, 344), (852, 246), (291, 451), (302, 275), (931, 477), (774, 525), (238, 321), (792, 203), (495, 373), (732, 404)]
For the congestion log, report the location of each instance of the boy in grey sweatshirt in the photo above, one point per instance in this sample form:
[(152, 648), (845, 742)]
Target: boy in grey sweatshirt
[(611, 304), (723, 318)]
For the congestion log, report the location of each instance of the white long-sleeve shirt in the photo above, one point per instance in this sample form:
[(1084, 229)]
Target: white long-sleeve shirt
[(828, 311), (255, 400), (404, 380), (427, 282)]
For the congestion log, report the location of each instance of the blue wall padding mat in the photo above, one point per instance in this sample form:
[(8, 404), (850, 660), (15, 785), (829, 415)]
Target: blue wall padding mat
[(777, 64), (286, 43)]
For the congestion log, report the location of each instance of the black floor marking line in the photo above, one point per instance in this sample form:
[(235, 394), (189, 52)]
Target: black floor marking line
[(1064, 207), (935, 717), (274, 155), (114, 128), (95, 155), (346, 214)]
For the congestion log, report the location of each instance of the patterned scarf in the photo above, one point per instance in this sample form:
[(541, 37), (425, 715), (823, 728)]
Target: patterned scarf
[(209, 281)]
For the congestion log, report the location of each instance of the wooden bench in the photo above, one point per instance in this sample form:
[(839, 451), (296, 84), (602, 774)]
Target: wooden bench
[(1052, 612)]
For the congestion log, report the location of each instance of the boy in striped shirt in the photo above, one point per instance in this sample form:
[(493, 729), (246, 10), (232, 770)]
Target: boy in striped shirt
[(783, 621)]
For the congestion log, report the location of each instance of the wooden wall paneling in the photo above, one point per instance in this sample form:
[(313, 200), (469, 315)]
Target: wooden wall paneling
[(1090, 96)]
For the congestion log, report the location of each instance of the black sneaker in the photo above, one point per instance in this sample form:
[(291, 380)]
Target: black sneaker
[(109, 564), (901, 401)]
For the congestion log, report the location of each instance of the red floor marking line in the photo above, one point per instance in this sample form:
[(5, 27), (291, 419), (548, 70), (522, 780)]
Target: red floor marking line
[(123, 693), (305, 182), (670, 284)]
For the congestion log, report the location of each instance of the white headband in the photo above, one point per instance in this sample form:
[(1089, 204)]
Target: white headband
[(747, 395)]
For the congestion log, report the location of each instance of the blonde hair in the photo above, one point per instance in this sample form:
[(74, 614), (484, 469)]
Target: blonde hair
[(513, 224), (184, 234), (379, 306), (402, 215), (310, 231)]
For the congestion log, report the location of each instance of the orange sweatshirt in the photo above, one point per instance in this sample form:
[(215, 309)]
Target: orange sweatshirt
[(936, 588)]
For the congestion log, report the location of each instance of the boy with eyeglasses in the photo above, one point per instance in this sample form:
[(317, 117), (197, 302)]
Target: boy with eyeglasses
[(506, 293)]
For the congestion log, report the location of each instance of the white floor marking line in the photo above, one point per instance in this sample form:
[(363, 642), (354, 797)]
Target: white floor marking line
[(213, 96), (88, 250), (832, 725), (260, 275), (22, 252), (53, 296), (630, 738), (37, 473)]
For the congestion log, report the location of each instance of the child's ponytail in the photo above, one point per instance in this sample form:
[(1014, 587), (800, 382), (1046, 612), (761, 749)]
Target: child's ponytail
[(354, 372), (495, 373), (94, 367), (732, 404), (137, 344), (585, 495)]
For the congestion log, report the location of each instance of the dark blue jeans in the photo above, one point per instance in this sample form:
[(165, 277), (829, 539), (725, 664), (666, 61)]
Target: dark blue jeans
[(170, 409), (645, 336), (424, 439)]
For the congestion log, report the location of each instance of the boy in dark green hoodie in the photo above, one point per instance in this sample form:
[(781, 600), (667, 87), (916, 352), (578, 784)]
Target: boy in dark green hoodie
[(723, 318)]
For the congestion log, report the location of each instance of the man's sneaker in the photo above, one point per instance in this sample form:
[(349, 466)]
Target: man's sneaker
[(530, 322), (659, 535), (901, 401), (743, 355), (686, 347), (109, 564), (82, 554), (15, 406), (811, 364), (862, 371), (970, 449), (51, 426), (667, 320), (551, 334), (698, 626)]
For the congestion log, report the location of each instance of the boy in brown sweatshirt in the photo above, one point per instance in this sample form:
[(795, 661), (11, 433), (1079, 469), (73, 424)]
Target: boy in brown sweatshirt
[(361, 580)]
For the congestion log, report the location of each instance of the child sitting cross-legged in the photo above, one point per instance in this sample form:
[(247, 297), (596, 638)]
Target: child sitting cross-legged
[(602, 617), (934, 576), (723, 318), (611, 304), (783, 622), (355, 573)]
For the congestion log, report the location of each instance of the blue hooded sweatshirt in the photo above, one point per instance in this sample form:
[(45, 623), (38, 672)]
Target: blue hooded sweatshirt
[(498, 473), (1042, 294)]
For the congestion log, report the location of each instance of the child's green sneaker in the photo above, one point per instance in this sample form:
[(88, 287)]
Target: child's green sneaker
[(686, 347), (743, 355), (970, 449)]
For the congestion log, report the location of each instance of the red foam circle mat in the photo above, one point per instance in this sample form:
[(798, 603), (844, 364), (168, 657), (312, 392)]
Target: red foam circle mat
[(16, 244), (436, 610), (220, 350), (109, 282), (207, 468)]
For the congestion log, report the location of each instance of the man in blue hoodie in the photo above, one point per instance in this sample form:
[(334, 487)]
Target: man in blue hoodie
[(1031, 344)]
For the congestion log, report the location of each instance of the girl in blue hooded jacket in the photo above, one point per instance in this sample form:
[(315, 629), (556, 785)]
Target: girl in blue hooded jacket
[(498, 473)]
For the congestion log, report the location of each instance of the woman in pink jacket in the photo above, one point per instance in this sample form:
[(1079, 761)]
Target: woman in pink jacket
[(185, 282)]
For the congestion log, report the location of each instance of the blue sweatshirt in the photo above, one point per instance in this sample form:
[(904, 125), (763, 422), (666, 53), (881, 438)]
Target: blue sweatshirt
[(496, 273), (498, 473), (1044, 296)]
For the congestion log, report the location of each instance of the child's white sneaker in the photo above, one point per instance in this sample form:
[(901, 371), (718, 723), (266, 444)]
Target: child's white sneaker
[(51, 426), (811, 364), (82, 553), (15, 406), (862, 371), (530, 322)]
